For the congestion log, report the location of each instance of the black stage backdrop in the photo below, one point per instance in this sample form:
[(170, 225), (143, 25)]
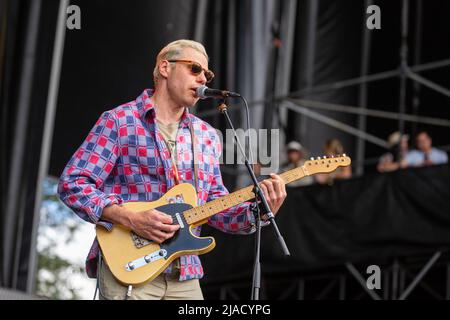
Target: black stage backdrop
[(110, 61), (370, 219)]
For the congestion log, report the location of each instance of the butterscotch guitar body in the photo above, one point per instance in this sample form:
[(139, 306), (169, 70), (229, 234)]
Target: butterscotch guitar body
[(136, 261)]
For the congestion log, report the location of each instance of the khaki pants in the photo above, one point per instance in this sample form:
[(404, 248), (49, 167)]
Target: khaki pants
[(164, 287)]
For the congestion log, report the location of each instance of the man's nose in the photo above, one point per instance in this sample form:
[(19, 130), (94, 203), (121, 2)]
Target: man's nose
[(201, 78)]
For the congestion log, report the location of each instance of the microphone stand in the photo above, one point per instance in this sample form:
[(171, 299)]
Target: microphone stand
[(259, 196)]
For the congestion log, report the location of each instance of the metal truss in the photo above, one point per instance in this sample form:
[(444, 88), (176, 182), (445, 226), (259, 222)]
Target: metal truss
[(404, 72), (411, 277)]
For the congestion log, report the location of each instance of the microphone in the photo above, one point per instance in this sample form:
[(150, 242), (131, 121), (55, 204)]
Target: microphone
[(204, 92)]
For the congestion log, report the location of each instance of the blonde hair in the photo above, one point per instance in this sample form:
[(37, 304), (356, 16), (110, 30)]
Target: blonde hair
[(174, 50), (334, 146)]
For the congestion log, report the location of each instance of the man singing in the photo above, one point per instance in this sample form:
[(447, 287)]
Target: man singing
[(141, 149)]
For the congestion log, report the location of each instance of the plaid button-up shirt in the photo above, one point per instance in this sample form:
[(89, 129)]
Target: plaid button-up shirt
[(124, 158)]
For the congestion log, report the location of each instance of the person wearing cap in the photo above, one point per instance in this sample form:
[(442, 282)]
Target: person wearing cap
[(425, 154), (395, 158), (295, 158)]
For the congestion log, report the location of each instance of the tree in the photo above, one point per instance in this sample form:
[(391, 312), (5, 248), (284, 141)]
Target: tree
[(59, 276)]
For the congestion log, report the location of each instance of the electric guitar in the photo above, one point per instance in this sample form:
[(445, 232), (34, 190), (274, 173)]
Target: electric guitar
[(134, 260)]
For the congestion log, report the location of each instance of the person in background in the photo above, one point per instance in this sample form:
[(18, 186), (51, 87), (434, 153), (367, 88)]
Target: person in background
[(333, 147), (296, 158), (395, 158), (425, 154)]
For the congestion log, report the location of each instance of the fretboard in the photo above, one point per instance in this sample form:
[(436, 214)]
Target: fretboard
[(203, 212)]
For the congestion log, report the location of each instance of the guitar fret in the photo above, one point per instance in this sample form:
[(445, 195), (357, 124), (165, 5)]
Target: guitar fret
[(293, 174), (212, 207), (248, 194), (239, 197), (224, 203), (206, 210), (234, 199)]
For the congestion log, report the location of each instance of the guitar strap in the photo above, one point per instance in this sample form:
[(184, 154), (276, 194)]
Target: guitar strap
[(194, 154), (194, 158), (177, 180)]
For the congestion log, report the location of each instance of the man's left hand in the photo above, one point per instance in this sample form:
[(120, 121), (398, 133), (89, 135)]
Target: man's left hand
[(274, 190)]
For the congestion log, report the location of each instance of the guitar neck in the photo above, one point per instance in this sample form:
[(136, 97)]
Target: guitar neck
[(203, 212)]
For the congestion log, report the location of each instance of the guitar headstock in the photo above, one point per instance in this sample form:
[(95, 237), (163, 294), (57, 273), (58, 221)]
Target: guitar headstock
[(327, 164)]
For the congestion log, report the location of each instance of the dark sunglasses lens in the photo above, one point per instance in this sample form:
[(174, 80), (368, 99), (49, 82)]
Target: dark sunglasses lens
[(196, 69)]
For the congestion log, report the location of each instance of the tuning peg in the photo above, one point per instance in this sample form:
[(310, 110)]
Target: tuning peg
[(312, 159), (344, 155), (318, 158), (324, 157)]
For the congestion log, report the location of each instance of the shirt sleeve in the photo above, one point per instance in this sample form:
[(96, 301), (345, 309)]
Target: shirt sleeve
[(80, 185), (412, 158), (238, 219), (442, 157)]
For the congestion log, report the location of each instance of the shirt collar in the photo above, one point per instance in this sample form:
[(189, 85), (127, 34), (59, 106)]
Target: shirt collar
[(146, 108)]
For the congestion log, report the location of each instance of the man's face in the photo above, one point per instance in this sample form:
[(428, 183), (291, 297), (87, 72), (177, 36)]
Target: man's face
[(181, 82), (294, 156), (423, 141)]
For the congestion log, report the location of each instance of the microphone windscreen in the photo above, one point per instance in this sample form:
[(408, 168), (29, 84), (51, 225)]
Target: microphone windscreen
[(200, 92)]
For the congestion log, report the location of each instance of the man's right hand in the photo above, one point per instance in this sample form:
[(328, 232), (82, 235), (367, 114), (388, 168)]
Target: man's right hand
[(150, 224), (153, 225)]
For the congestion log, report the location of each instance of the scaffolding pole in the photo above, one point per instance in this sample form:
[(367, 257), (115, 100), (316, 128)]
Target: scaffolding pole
[(362, 120), (50, 113), (14, 217)]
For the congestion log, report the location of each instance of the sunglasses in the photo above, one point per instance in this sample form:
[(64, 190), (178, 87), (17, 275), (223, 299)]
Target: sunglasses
[(196, 69)]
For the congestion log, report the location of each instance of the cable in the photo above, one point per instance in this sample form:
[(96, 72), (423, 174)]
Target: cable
[(99, 289), (96, 289), (99, 265)]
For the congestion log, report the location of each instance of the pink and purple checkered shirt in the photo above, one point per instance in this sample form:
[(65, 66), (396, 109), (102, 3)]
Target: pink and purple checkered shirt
[(124, 158)]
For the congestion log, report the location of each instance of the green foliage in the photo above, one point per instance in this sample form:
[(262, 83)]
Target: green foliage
[(54, 285), (57, 225)]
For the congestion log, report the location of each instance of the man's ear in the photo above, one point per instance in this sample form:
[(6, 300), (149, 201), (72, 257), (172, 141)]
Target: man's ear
[(164, 68)]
